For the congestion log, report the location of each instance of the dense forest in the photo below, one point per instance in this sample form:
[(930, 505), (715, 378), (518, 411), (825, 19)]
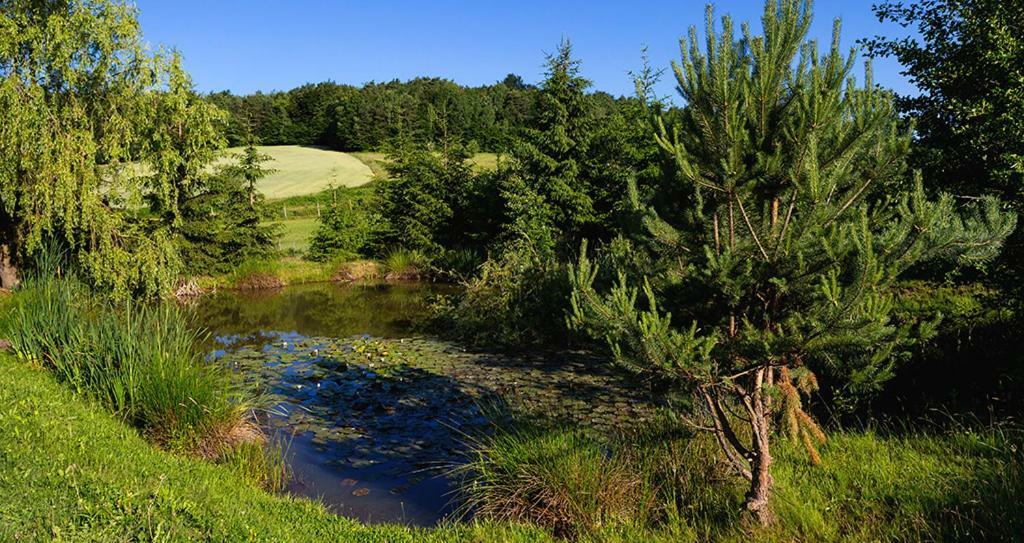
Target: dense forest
[(813, 281), (367, 118)]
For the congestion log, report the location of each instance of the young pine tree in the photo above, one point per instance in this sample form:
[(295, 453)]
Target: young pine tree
[(791, 225)]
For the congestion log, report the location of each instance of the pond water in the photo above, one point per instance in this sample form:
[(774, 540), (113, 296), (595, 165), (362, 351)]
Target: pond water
[(375, 413)]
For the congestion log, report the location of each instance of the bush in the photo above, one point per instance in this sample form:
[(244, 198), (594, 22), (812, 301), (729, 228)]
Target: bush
[(518, 300), (346, 229)]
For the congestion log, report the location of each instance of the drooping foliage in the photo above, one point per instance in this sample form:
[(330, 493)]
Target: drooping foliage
[(76, 86), (108, 151), (772, 266)]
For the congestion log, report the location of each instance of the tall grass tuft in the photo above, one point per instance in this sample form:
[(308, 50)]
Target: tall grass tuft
[(404, 264), (142, 362), (560, 480), (257, 274)]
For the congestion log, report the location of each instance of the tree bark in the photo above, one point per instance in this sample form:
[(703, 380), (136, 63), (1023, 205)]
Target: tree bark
[(752, 462), (8, 269), (761, 458)]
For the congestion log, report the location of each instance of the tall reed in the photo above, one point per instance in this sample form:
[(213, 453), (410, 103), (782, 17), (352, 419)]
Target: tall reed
[(142, 361)]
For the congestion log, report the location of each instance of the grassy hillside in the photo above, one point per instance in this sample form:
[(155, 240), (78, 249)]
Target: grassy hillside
[(305, 170), (378, 161)]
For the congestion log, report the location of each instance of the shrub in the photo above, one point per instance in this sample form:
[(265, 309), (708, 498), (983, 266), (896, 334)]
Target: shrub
[(517, 300)]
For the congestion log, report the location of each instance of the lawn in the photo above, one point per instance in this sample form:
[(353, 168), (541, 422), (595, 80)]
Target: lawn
[(378, 161), (296, 233), (306, 170)]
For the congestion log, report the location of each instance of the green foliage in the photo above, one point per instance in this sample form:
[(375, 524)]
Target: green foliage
[(77, 94), (426, 110), (346, 228), (221, 218), (776, 265), (515, 301), (968, 134), (143, 362), (417, 202)]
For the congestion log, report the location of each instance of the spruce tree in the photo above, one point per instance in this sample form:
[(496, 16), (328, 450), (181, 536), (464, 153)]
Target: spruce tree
[(552, 153), (774, 261), (222, 216)]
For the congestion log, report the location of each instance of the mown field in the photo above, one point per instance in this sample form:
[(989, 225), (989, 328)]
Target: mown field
[(304, 170), (378, 161)]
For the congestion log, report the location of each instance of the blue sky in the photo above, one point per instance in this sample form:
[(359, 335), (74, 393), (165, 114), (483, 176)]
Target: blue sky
[(252, 45)]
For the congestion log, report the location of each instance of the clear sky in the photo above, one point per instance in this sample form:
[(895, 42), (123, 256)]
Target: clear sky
[(250, 45)]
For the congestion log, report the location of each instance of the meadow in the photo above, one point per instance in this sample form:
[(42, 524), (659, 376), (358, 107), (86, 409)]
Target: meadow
[(302, 170)]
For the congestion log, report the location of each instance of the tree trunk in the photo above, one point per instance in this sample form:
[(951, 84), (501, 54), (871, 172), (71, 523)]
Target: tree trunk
[(752, 462), (761, 458), (757, 497), (8, 269)]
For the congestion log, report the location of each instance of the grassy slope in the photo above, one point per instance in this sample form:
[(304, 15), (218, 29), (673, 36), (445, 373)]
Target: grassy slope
[(305, 170), (296, 233), (377, 161), (70, 471)]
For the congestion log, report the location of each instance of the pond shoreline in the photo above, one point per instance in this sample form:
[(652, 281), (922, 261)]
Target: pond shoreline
[(377, 413)]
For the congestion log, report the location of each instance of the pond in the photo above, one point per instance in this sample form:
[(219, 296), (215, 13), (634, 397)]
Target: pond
[(375, 414)]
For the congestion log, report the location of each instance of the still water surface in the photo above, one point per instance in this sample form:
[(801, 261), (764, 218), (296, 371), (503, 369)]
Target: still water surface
[(376, 413)]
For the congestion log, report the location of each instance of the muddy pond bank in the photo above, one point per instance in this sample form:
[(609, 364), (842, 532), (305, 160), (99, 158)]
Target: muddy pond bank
[(377, 413)]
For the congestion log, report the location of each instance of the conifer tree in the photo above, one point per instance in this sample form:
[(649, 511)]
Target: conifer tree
[(773, 266), (554, 150), (222, 215)]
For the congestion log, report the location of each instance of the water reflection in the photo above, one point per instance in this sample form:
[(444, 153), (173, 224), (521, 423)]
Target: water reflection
[(377, 411), (323, 309)]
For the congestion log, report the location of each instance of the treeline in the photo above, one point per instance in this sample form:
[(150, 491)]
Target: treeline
[(423, 110)]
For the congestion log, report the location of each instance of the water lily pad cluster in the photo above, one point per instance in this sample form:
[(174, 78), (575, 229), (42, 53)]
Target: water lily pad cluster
[(402, 410)]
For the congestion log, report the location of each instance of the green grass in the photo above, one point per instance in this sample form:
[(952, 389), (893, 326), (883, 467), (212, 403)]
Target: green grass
[(272, 273), (72, 472), (306, 170), (378, 161), (69, 470), (961, 485), (296, 234), (142, 362)]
